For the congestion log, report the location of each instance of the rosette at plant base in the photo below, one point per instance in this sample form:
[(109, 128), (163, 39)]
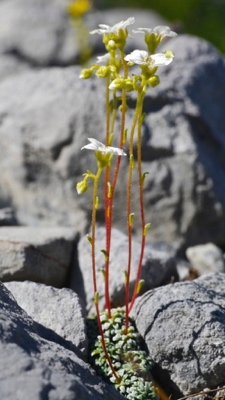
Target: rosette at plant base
[(131, 362)]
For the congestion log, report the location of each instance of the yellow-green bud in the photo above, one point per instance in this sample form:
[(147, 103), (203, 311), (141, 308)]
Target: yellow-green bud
[(129, 85), (123, 107), (169, 54), (117, 84), (102, 72), (86, 73), (153, 81), (111, 44), (82, 186), (112, 69)]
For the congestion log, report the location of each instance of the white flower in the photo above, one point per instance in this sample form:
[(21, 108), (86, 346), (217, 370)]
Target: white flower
[(160, 30), (115, 28), (103, 59), (142, 57), (98, 146)]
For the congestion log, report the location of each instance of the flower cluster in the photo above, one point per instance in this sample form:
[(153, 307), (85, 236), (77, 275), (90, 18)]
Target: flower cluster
[(114, 38), (114, 352)]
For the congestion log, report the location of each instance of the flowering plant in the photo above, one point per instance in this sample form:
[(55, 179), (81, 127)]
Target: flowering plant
[(77, 9), (117, 346)]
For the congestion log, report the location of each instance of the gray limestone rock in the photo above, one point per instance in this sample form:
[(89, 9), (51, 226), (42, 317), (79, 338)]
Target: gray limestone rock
[(7, 217), (46, 117), (206, 258), (60, 310), (183, 325), (158, 267), (36, 254), (10, 65), (37, 364)]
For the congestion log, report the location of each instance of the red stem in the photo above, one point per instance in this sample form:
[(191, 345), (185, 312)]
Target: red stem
[(109, 199), (141, 202), (104, 345)]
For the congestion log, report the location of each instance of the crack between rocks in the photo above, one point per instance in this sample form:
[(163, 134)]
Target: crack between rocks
[(58, 148)]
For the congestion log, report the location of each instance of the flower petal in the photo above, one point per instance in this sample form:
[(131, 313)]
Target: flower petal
[(138, 57), (117, 151), (115, 28), (103, 59), (161, 59), (164, 31), (160, 30), (122, 25), (98, 146)]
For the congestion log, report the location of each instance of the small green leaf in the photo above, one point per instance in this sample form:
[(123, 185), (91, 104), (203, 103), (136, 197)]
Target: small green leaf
[(140, 284), (89, 238), (146, 228), (106, 255), (143, 177), (96, 296), (131, 217)]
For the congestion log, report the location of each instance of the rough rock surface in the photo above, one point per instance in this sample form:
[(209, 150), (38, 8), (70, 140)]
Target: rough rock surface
[(206, 258), (158, 267), (36, 254), (43, 125), (38, 364), (183, 326), (7, 217), (60, 310)]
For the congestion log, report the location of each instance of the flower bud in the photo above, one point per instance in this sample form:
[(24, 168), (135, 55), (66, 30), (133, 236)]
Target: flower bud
[(153, 81), (111, 44), (129, 85), (82, 187), (102, 72), (117, 84), (86, 73), (169, 54)]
